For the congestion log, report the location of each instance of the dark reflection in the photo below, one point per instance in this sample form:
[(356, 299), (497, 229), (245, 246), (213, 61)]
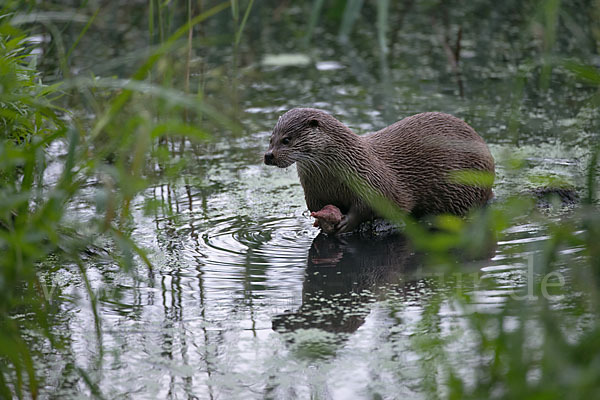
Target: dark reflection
[(344, 275), (341, 277)]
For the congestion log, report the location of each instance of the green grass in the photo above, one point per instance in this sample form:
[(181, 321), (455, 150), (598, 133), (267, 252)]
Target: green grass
[(114, 146)]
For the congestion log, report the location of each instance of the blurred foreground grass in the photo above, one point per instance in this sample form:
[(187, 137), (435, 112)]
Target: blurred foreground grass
[(118, 151)]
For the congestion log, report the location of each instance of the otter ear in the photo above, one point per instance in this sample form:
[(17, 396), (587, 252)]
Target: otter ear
[(313, 123)]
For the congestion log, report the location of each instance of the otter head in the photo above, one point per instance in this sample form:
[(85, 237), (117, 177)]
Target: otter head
[(299, 135)]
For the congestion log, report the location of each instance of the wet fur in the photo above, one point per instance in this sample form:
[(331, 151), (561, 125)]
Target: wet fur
[(410, 163)]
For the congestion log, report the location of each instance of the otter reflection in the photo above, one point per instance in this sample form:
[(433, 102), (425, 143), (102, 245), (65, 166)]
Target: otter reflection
[(344, 275), (341, 277)]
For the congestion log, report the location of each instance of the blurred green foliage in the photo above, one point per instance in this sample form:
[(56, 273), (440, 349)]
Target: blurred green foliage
[(112, 151), (28, 219)]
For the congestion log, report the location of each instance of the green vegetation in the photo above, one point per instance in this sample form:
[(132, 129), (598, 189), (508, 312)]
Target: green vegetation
[(81, 151), (113, 151)]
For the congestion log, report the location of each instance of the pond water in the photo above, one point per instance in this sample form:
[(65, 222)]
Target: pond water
[(247, 300)]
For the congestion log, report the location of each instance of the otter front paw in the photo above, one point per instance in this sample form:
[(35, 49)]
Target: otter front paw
[(348, 223)]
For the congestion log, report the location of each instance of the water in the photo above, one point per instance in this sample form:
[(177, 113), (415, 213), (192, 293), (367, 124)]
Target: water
[(247, 300)]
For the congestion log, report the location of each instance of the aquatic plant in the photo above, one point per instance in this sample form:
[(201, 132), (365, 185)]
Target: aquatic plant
[(110, 153)]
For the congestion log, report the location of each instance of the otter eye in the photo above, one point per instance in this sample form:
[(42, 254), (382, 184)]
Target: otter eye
[(286, 141), (313, 123)]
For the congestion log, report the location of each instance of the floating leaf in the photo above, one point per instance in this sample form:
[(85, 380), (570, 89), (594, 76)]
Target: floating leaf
[(286, 60)]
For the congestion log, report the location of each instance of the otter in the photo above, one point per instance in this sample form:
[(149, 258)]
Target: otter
[(412, 165)]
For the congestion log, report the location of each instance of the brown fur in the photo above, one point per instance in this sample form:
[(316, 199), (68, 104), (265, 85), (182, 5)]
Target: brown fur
[(410, 163)]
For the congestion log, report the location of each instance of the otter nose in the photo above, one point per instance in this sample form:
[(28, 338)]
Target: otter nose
[(269, 157)]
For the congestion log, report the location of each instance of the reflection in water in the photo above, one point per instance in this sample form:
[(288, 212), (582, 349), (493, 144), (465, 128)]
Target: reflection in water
[(340, 278), (345, 274)]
